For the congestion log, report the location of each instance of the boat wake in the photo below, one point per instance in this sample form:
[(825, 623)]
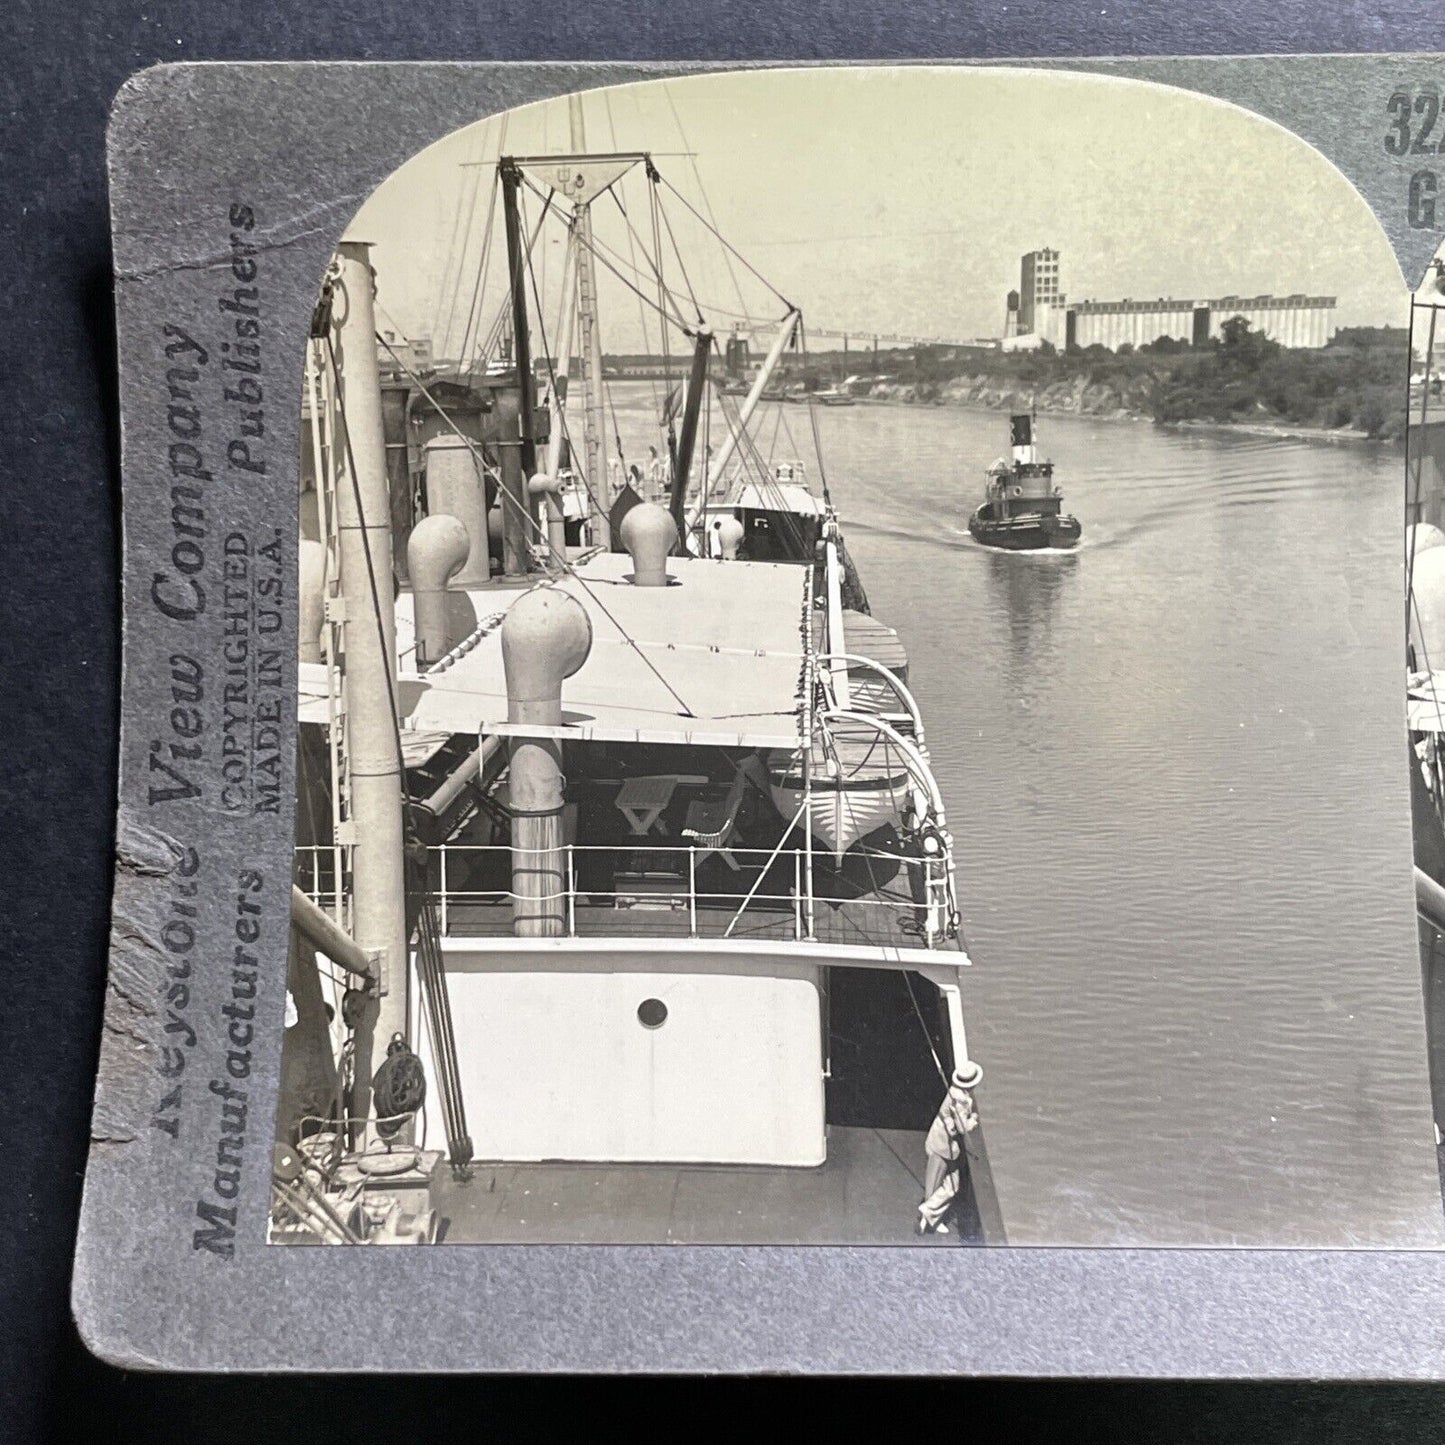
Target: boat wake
[(1027, 552), (923, 536)]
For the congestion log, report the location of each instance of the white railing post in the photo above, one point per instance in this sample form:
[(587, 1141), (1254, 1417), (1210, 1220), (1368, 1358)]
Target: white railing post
[(571, 893), (692, 889), (927, 912), (938, 897), (797, 896), (443, 885)]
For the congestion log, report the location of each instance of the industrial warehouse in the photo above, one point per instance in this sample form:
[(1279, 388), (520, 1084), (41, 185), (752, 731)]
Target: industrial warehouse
[(1038, 312)]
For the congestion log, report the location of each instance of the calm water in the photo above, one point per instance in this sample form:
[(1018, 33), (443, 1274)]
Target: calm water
[(1174, 764)]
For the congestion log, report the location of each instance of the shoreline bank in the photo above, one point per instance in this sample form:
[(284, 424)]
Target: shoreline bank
[(1276, 431)]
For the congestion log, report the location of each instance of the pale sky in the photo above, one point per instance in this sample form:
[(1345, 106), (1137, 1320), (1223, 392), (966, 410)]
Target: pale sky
[(899, 200)]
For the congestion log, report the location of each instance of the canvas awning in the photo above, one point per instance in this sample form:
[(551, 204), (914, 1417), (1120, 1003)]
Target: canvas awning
[(715, 659)]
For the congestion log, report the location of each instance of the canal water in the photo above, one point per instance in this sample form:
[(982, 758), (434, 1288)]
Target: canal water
[(1174, 763)]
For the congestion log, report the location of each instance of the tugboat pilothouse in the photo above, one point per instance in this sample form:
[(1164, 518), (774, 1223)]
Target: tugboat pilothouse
[(1023, 506)]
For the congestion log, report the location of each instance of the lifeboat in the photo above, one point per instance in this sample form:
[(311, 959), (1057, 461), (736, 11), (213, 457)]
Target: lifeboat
[(857, 781)]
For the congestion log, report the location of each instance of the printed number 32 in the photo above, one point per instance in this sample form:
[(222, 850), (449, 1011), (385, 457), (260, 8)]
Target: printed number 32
[(1397, 138)]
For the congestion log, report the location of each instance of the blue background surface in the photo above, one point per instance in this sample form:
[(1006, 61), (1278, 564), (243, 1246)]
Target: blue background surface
[(59, 468)]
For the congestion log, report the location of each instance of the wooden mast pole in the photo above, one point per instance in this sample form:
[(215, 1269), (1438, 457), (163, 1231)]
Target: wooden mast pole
[(687, 441), (593, 425), (363, 514), (518, 509), (750, 402)]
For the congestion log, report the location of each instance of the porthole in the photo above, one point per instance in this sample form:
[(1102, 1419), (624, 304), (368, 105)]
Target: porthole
[(652, 1013)]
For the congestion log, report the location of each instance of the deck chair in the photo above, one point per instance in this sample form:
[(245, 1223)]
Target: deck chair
[(711, 825)]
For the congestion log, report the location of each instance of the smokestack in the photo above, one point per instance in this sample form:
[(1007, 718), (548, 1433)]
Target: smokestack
[(455, 487), (436, 554), (649, 534), (546, 637)]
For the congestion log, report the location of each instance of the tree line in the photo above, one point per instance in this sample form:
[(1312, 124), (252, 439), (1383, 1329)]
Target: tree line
[(1358, 381)]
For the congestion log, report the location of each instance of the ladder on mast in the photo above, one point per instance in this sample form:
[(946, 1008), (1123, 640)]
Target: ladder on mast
[(327, 460)]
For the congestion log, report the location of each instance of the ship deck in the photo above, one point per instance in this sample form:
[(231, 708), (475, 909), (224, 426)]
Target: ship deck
[(867, 1193)]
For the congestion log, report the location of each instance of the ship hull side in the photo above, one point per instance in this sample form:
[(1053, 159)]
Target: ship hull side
[(1025, 533)]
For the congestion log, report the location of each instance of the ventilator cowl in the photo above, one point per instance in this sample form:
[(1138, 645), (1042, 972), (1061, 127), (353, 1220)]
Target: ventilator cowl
[(546, 637), (649, 534), (436, 551), (729, 533)]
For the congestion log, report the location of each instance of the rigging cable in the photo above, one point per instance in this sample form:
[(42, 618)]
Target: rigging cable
[(564, 560), (1424, 413), (1419, 459), (727, 244), (567, 566), (1412, 602), (597, 254), (813, 418), (746, 444), (632, 252), (499, 323), (474, 308), (1430, 675), (596, 331), (701, 189), (615, 262), (552, 380), (655, 178), (452, 272), (671, 417), (928, 1036)]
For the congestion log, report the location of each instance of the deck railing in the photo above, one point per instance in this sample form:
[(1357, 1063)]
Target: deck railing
[(655, 891)]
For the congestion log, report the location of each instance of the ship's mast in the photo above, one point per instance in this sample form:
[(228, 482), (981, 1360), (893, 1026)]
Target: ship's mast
[(696, 395), (593, 424), (520, 507), (714, 475), (363, 518), (566, 332)]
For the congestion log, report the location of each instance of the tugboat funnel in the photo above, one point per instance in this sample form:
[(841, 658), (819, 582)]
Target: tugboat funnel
[(649, 534), (1021, 436)]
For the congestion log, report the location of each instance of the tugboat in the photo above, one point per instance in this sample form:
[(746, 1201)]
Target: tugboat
[(1023, 506)]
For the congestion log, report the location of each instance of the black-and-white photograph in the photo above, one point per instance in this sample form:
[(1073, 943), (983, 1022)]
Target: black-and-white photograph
[(849, 660), (1425, 632)]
